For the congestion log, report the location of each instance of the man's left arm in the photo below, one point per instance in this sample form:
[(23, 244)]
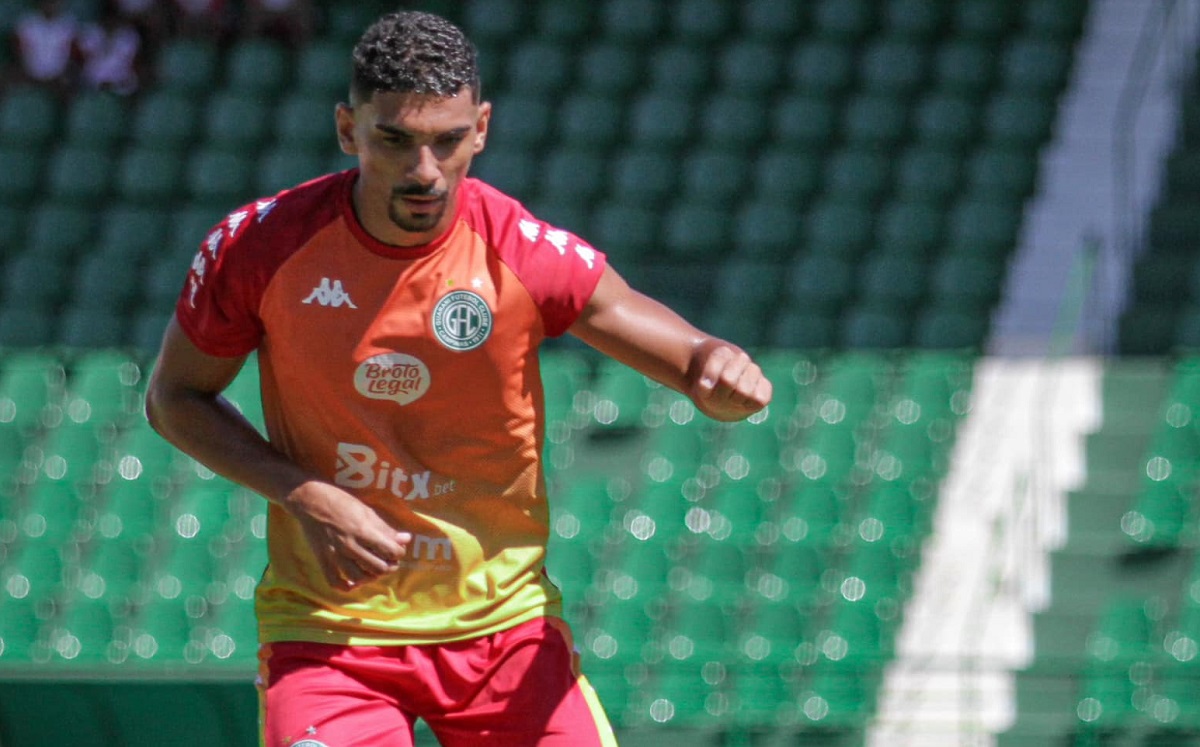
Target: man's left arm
[(718, 376)]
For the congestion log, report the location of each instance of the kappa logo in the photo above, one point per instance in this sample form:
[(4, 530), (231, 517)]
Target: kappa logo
[(330, 293), (462, 320)]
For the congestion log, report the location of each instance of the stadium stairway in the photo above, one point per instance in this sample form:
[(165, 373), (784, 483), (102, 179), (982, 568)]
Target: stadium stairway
[(1090, 680)]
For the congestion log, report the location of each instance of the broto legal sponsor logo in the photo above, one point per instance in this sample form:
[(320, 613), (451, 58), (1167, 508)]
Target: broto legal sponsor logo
[(395, 376)]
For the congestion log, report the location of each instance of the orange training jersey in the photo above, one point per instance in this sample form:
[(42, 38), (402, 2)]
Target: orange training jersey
[(409, 377)]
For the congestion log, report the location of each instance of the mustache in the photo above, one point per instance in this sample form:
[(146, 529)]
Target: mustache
[(417, 190)]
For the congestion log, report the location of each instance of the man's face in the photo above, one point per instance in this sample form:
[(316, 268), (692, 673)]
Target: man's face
[(413, 153)]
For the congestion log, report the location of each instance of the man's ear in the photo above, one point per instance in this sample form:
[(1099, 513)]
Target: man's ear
[(344, 121), (481, 126)]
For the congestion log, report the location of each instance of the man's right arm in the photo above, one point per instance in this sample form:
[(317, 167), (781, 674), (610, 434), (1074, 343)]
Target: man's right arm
[(184, 403)]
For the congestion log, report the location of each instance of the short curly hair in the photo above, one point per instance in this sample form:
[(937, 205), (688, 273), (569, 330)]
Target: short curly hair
[(414, 52)]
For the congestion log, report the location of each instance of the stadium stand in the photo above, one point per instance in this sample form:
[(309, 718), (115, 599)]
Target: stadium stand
[(836, 184)]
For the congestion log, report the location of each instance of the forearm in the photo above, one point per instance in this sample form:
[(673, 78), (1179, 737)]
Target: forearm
[(211, 430)]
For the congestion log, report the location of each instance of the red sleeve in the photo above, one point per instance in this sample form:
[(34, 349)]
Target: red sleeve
[(218, 308), (559, 269)]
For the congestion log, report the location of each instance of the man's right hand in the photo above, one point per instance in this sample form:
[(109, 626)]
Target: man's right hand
[(351, 541)]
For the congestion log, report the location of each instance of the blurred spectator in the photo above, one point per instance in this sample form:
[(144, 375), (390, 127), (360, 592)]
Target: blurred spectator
[(111, 52), (203, 18), (150, 18), (290, 21), (45, 42)]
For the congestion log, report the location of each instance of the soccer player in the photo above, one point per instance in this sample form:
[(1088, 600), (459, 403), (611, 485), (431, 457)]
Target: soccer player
[(397, 309)]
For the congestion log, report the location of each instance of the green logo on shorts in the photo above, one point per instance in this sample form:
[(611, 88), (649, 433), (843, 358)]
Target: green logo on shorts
[(462, 320)]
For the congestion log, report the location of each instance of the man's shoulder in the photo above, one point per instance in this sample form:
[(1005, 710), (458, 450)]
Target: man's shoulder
[(285, 220)]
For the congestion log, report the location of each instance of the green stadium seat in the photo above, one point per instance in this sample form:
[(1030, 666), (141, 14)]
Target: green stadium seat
[(305, 122), (986, 229), (149, 176), (625, 230), (839, 696), (839, 227), (323, 70), (694, 231), (630, 21), (699, 631), (282, 168), (188, 66), (104, 386), (681, 67), (984, 20), (24, 171), (772, 19), (946, 121), (32, 282), (913, 20), (81, 326), (820, 281), (97, 119), (574, 173), (812, 514), (590, 120), (219, 178), (565, 21), (910, 228), (521, 119), (29, 382), (22, 326), (963, 67), (749, 66), (876, 120), (621, 395), (843, 20), (491, 22), (37, 568), (892, 66), (644, 174), (857, 175), (608, 68), (822, 68), (681, 695), (928, 173), (1052, 18), (763, 697), (734, 121), (701, 21), (132, 232), (236, 121), (938, 327), (79, 175), (166, 119), (806, 329), (1019, 118), (1006, 172), (538, 67), (767, 230), (508, 168), (661, 121), (967, 282), (258, 67), (786, 175), (29, 117), (894, 279), (87, 631), (804, 120), (875, 326), (1036, 65)]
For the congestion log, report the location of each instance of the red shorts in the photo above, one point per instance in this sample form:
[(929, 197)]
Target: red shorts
[(518, 687)]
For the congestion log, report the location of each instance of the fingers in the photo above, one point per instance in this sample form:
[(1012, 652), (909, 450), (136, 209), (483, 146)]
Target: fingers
[(731, 386)]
